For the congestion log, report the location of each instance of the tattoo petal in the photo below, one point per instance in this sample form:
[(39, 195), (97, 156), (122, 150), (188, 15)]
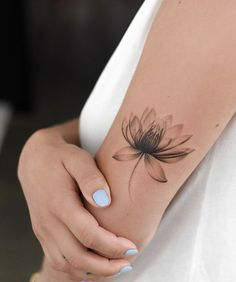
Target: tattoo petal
[(164, 143), (148, 118), (126, 154), (173, 156), (171, 160), (168, 120), (174, 131), (177, 141), (144, 114), (175, 151), (134, 126), (154, 168)]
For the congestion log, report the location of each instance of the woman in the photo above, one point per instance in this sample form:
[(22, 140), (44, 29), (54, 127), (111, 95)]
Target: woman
[(153, 116)]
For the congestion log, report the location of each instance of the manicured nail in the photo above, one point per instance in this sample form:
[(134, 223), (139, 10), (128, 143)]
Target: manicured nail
[(131, 252), (126, 269), (100, 197)]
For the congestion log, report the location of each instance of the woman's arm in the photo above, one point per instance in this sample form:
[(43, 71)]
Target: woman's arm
[(181, 97)]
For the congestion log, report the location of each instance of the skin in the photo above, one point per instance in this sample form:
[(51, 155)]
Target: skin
[(52, 171), (186, 70), (201, 95)]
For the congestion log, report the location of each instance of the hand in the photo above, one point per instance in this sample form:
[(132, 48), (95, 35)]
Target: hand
[(53, 173)]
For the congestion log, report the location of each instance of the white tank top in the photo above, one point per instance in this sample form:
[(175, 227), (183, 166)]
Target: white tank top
[(196, 240)]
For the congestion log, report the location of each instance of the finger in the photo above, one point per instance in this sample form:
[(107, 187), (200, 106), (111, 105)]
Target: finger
[(81, 259), (93, 185), (86, 229), (80, 275), (70, 276), (54, 258), (69, 249)]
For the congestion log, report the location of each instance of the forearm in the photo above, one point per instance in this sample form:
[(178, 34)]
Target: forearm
[(181, 76)]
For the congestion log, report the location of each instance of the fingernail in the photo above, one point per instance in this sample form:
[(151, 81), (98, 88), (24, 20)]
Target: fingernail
[(126, 269), (131, 252), (100, 197)]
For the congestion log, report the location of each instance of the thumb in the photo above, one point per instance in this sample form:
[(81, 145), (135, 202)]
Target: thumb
[(92, 184)]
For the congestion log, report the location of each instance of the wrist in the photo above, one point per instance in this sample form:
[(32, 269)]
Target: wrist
[(68, 131), (58, 134), (47, 136)]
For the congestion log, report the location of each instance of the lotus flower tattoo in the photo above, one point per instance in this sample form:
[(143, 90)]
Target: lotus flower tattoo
[(155, 140)]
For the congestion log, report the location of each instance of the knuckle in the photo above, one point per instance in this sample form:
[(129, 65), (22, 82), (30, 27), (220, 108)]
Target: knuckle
[(87, 237), (76, 263), (55, 206), (95, 279), (37, 231), (116, 251), (59, 266), (105, 269), (107, 272), (91, 179), (40, 224), (111, 268), (74, 277)]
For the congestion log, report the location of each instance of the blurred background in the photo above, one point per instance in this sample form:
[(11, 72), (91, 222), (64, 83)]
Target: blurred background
[(52, 53)]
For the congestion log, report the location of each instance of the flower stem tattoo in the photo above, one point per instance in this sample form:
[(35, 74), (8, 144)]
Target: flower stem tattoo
[(155, 140)]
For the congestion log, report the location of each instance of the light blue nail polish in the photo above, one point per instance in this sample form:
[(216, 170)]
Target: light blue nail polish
[(126, 269), (131, 252), (100, 197)]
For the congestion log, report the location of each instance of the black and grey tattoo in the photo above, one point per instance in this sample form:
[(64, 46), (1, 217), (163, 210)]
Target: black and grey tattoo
[(155, 140)]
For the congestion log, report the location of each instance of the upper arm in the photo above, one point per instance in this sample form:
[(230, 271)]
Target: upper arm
[(186, 74)]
